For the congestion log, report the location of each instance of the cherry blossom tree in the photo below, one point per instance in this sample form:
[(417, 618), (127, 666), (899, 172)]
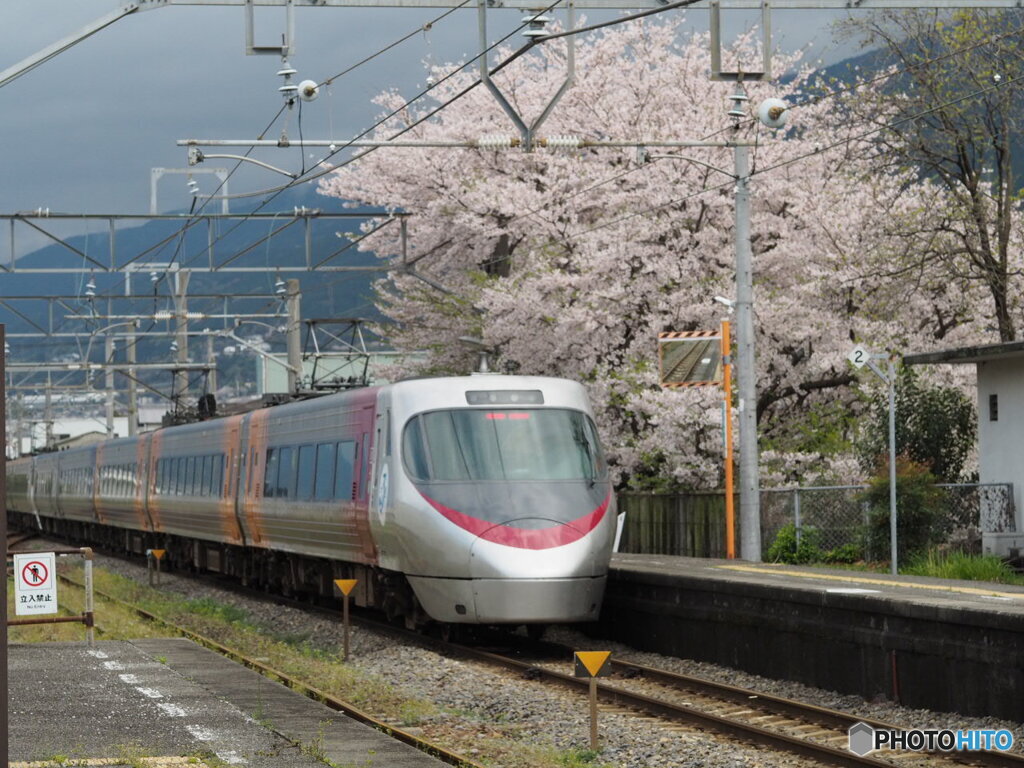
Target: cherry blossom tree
[(570, 263)]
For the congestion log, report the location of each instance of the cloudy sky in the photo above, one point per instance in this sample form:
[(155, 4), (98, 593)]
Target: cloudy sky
[(81, 132)]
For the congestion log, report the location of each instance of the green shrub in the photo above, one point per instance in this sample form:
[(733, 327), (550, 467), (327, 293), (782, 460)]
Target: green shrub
[(919, 510), (786, 548), (846, 554)]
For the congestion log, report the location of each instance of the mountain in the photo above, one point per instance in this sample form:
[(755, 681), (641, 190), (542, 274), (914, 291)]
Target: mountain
[(246, 244)]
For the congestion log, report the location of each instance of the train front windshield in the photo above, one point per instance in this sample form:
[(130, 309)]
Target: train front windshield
[(470, 444)]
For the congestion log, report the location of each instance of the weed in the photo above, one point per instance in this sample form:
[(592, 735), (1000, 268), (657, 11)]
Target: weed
[(957, 565)]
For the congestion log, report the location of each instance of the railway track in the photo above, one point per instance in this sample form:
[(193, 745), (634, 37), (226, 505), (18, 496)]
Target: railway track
[(782, 724), (810, 731)]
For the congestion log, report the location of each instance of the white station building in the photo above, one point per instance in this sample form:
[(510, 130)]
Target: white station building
[(1000, 403)]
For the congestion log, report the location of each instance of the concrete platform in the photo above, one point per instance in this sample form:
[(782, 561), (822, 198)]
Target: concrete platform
[(945, 645), (168, 699)]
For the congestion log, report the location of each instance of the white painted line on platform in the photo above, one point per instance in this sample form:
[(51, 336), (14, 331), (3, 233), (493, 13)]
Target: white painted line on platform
[(171, 710), (130, 679), (851, 577), (114, 665), (232, 757), (97, 654), (152, 693), (852, 591)]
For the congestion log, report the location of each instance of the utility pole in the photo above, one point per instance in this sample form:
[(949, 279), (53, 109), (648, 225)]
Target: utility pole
[(746, 369), (133, 392), (180, 388), (211, 360), (48, 412), (294, 335), (108, 382)]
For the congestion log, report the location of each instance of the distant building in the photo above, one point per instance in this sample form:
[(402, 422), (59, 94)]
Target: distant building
[(1000, 370), (89, 438), (32, 433)]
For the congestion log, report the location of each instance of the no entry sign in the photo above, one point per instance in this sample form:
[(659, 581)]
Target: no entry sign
[(36, 583)]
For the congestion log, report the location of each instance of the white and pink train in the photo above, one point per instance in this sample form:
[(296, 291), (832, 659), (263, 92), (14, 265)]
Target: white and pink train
[(482, 499)]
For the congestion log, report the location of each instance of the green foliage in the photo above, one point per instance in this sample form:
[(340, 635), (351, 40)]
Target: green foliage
[(847, 554), (823, 428), (957, 565), (919, 509), (935, 427), (787, 549), (222, 611), (578, 757)]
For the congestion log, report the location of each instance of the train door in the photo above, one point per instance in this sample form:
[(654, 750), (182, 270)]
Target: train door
[(235, 472)]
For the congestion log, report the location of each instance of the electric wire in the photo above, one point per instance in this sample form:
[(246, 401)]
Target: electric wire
[(814, 99), (804, 156)]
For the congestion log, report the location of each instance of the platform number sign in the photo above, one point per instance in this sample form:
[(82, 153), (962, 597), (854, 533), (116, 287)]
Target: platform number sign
[(36, 580), (859, 356)]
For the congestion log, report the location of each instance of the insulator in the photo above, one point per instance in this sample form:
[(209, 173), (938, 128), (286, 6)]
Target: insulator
[(494, 141), (536, 21), (287, 72), (288, 88), (563, 142)]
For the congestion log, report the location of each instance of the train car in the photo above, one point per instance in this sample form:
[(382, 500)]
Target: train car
[(482, 499)]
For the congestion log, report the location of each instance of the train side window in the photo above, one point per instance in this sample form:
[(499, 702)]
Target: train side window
[(207, 489), (324, 484), (270, 476), (218, 475), (304, 475), (415, 453), (190, 476), (344, 487), (286, 473)]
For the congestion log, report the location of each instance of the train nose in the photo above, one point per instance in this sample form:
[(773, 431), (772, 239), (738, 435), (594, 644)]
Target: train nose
[(556, 583), (539, 547)]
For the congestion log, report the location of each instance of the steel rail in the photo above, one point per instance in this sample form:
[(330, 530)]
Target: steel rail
[(349, 710), (790, 708), (808, 713), (681, 713)]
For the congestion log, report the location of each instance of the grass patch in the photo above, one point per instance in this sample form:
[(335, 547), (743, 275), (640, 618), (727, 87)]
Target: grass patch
[(957, 565)]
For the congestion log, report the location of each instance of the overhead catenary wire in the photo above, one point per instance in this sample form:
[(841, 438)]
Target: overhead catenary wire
[(433, 112)]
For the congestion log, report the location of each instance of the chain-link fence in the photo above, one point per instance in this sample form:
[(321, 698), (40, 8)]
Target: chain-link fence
[(841, 522), (831, 522)]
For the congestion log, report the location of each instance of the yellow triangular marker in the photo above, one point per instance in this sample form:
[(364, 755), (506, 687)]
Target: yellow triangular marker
[(158, 553), (593, 661), (346, 585)]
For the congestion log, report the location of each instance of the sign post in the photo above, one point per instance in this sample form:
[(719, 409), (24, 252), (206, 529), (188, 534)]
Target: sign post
[(155, 555), (704, 359), (592, 664), (36, 580), (860, 357), (345, 586)]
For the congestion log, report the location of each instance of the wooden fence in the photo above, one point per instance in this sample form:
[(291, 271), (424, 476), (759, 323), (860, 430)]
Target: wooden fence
[(692, 524)]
